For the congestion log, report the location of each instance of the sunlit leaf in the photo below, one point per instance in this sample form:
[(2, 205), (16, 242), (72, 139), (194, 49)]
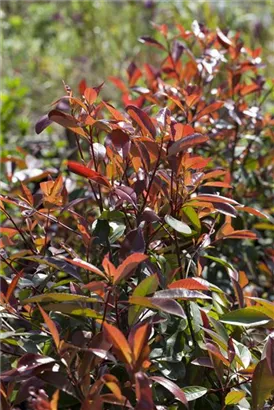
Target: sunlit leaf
[(119, 342), (142, 119), (148, 286), (194, 392), (179, 226), (180, 293), (233, 397), (84, 171), (189, 283), (51, 326), (247, 316)]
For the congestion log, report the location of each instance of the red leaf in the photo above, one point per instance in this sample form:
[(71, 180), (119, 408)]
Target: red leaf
[(85, 265), (230, 350), (90, 95), (109, 268), (248, 89), (84, 171), (269, 352), (225, 209), (142, 119), (242, 234), (215, 351), (209, 109), (119, 341), (262, 384), (119, 83), (214, 174), (82, 86), (13, 284), (143, 393), (27, 194), (126, 194), (113, 384), (129, 264), (189, 283), (253, 211), (115, 113), (215, 198), (173, 388), (51, 326), (140, 339), (186, 142), (67, 121), (179, 130)]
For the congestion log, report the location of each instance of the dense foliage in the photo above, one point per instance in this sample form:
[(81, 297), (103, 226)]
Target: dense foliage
[(146, 281)]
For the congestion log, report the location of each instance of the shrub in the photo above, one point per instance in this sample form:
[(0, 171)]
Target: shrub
[(117, 290)]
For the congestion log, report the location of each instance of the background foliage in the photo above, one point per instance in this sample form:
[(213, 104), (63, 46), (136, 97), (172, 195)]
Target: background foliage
[(121, 284)]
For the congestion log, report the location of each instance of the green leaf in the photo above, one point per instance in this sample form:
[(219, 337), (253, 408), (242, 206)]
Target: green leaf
[(112, 215), (248, 316), (234, 396), (118, 232), (262, 385), (178, 226), (147, 286), (192, 216), (58, 297), (194, 392), (264, 225), (220, 261), (72, 309)]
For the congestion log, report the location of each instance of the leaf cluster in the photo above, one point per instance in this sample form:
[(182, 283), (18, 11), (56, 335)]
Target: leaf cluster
[(116, 289)]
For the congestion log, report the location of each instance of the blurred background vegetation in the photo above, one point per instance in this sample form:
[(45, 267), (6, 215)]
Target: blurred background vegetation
[(44, 43)]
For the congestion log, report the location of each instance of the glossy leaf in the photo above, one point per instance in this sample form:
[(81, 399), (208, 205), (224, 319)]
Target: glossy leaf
[(84, 171), (142, 119), (194, 392), (180, 293), (179, 226), (85, 265), (173, 388), (163, 304), (193, 217), (119, 342), (189, 283), (233, 397), (247, 316)]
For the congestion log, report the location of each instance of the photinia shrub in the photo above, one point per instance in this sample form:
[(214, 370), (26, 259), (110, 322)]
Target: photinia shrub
[(112, 288)]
